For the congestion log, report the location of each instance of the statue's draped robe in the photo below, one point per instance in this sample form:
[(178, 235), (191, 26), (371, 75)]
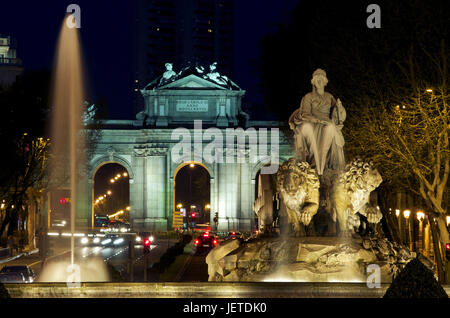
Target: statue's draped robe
[(320, 145)]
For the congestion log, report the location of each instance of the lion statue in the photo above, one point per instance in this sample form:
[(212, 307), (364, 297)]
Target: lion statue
[(298, 186), (350, 194)]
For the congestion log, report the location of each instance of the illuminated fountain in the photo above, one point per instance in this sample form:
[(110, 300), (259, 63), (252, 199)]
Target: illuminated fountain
[(316, 180), (68, 149)]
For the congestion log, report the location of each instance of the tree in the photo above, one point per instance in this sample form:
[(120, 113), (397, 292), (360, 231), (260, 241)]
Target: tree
[(407, 138), (24, 145), (27, 181)]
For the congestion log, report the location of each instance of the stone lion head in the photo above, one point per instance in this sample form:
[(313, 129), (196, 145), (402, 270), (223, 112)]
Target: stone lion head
[(294, 180)]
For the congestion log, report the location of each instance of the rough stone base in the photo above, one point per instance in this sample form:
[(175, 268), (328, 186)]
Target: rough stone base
[(200, 290), (305, 259)]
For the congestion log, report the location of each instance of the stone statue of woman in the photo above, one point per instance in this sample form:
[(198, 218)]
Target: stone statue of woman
[(317, 126)]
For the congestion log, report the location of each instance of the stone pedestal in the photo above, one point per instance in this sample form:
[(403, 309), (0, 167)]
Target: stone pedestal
[(305, 259)]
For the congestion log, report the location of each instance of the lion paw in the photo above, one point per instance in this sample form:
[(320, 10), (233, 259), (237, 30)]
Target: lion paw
[(374, 215), (305, 218)]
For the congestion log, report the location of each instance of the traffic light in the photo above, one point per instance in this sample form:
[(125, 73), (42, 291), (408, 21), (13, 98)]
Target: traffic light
[(63, 201), (193, 215)]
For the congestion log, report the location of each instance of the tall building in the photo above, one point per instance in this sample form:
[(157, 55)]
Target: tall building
[(10, 65), (181, 32)]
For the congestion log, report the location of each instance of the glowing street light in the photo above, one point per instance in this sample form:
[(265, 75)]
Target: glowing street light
[(179, 206), (448, 220), (406, 214), (109, 192), (208, 206), (112, 180), (429, 90), (397, 212), (125, 174), (420, 216), (192, 165)]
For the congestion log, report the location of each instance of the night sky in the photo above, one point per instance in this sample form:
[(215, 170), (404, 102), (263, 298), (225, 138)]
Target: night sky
[(107, 39)]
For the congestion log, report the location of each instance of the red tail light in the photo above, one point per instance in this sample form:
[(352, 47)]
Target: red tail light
[(206, 234), (447, 246), (215, 242), (147, 242), (196, 242)]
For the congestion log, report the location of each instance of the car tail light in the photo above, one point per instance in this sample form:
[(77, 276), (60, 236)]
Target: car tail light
[(206, 234), (196, 242), (447, 247), (215, 242), (147, 242)]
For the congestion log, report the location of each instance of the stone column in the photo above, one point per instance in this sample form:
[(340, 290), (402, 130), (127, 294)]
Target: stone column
[(247, 195), (156, 207), (229, 196), (138, 189)]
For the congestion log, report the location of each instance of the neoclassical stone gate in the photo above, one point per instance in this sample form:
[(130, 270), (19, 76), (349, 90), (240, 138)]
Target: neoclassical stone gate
[(144, 147)]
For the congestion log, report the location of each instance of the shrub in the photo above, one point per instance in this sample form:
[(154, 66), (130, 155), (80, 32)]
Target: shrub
[(3, 292), (171, 254), (415, 281)]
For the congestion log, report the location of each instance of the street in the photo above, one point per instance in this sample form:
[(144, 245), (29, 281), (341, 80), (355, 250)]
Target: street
[(115, 256)]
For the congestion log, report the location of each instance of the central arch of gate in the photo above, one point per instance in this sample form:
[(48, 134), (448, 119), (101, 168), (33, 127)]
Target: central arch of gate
[(144, 147)]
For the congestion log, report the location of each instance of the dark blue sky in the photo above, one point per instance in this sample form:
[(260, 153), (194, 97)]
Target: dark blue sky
[(107, 39)]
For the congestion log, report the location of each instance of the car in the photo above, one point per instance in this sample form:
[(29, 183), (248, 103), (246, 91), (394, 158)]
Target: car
[(205, 242), (59, 223), (91, 239), (12, 278), (112, 240), (25, 271), (101, 221), (141, 237), (233, 235), (118, 226)]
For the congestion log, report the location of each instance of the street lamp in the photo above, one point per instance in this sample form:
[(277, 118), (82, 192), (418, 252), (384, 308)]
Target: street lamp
[(420, 216), (406, 214), (448, 220), (397, 212)]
